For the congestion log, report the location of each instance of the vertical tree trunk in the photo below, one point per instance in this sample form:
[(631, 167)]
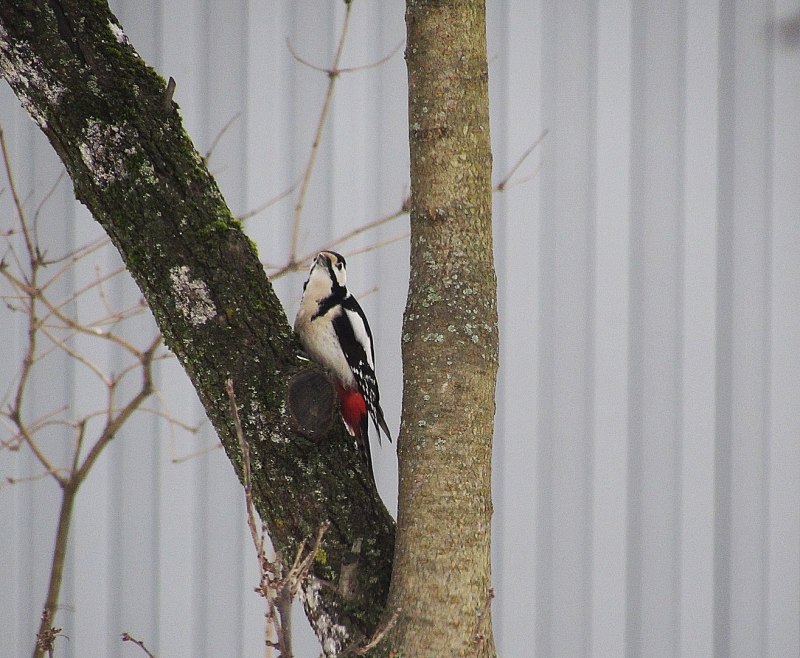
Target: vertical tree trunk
[(441, 579)]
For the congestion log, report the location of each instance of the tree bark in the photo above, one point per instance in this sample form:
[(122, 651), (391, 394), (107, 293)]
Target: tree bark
[(441, 580), (114, 125)]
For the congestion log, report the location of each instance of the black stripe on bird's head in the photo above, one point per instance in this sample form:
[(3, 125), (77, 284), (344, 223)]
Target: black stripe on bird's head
[(329, 269), (336, 266)]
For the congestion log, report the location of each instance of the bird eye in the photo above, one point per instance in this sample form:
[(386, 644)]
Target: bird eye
[(339, 266)]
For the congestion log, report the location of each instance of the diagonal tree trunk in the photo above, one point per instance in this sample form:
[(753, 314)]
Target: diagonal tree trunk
[(441, 579), (111, 120)]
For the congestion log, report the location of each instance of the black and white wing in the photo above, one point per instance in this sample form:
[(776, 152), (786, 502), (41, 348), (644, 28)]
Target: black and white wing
[(355, 336)]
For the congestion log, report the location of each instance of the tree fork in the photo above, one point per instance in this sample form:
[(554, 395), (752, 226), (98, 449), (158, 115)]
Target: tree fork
[(112, 122)]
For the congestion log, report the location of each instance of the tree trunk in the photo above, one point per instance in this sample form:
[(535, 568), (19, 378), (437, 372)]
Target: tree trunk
[(441, 580), (113, 123)]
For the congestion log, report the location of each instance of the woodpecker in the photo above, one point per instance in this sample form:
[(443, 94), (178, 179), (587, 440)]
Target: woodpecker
[(335, 334)]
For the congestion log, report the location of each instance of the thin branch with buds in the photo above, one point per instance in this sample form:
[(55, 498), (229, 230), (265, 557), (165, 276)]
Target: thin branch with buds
[(127, 637)]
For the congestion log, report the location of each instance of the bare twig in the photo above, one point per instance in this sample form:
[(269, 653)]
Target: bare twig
[(379, 634), (127, 637), (379, 244), (33, 252), (46, 637), (523, 180), (269, 570), (71, 484), (192, 428), (312, 157), (245, 447), (118, 419), (268, 203), (503, 183), (49, 319), (376, 638), (283, 590), (41, 205), (298, 263), (34, 294), (277, 585), (197, 453), (32, 427), (69, 259), (376, 63), (220, 135), (77, 356), (302, 564), (334, 71), (28, 478), (302, 262)]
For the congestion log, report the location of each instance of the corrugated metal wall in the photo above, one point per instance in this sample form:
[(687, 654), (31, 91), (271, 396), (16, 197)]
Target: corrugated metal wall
[(647, 461)]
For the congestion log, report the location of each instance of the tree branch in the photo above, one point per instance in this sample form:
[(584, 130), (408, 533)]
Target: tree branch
[(133, 165)]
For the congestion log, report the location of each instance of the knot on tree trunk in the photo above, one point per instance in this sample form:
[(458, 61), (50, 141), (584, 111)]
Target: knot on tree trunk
[(312, 403)]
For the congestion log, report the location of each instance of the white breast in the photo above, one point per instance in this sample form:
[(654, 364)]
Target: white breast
[(321, 343)]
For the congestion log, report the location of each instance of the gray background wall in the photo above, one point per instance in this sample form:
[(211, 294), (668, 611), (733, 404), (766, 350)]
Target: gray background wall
[(647, 457)]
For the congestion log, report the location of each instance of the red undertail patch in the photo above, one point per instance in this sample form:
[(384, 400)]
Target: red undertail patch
[(353, 408)]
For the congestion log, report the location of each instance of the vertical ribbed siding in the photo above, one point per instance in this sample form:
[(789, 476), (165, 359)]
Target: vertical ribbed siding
[(655, 374), (699, 348), (565, 317), (613, 128), (647, 462), (783, 528), (745, 227)]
